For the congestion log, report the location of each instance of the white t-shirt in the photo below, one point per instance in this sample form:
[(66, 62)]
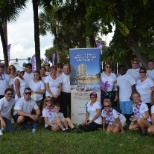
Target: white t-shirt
[(23, 85), (5, 82), (53, 85), (25, 106), (47, 73), (92, 111), (48, 114), (114, 112), (144, 90), (134, 73), (111, 79), (6, 107), (143, 109), (55, 115), (43, 79), (150, 74), (35, 86), (152, 109), (65, 83), (28, 77), (125, 83)]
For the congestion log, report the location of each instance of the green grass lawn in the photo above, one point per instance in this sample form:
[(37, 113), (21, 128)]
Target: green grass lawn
[(98, 142)]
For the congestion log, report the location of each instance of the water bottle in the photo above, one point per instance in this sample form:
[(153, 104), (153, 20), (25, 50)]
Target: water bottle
[(12, 121), (34, 128), (2, 129)]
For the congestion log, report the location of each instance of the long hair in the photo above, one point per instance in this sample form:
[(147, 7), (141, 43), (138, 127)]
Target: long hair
[(44, 104)]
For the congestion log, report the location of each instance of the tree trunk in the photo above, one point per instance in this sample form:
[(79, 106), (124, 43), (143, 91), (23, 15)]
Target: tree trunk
[(92, 41), (133, 45), (4, 45), (36, 34), (82, 12), (57, 44)]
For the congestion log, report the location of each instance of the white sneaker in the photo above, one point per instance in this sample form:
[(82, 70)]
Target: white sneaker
[(1, 133)]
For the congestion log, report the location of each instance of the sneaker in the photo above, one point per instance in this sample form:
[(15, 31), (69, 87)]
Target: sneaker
[(66, 131), (28, 126), (1, 133), (74, 130), (143, 134), (19, 128)]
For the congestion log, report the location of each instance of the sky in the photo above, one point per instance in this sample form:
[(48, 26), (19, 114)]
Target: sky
[(21, 36)]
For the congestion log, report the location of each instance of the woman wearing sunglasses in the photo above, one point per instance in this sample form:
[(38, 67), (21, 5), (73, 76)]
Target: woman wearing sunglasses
[(144, 87), (141, 119), (20, 83), (108, 87), (114, 120), (93, 119), (48, 113)]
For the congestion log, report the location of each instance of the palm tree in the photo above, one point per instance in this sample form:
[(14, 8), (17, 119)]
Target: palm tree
[(13, 8)]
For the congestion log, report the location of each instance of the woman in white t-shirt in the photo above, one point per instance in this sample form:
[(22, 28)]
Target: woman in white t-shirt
[(93, 119), (108, 87), (42, 74), (38, 89), (114, 120), (141, 119), (144, 87), (53, 85), (20, 83), (151, 128), (12, 74), (47, 113)]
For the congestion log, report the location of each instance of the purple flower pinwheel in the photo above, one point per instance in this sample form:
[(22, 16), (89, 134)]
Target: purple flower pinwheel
[(105, 85)]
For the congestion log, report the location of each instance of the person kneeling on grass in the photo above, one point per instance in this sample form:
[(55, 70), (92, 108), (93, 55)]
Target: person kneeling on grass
[(63, 123), (6, 104), (93, 120), (23, 109), (141, 119), (47, 113), (114, 120)]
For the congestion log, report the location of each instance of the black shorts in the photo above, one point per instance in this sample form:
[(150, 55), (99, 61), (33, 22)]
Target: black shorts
[(27, 119), (48, 127)]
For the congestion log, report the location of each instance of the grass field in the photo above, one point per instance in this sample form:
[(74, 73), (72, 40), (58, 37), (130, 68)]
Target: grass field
[(47, 142)]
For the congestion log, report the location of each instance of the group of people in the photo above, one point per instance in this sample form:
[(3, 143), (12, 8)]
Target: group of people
[(46, 93), (27, 97), (133, 88)]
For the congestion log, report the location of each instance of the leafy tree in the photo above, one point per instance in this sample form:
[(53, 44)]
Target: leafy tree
[(9, 10), (133, 21)]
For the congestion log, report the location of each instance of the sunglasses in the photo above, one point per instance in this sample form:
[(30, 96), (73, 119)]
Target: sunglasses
[(11, 68), (107, 106), (9, 94), (134, 63), (142, 72), (48, 101), (28, 93), (92, 97), (59, 66)]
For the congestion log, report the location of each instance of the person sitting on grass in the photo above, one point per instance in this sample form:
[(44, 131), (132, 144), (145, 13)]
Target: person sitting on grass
[(23, 110), (6, 104), (114, 120), (151, 128), (93, 119), (61, 121), (141, 119), (47, 113)]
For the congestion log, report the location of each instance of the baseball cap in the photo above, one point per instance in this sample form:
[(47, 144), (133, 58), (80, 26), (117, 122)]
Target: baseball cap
[(93, 94)]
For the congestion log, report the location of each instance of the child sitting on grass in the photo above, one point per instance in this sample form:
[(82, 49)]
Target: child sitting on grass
[(61, 121)]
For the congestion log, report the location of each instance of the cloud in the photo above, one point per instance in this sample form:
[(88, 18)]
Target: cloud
[(21, 36)]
